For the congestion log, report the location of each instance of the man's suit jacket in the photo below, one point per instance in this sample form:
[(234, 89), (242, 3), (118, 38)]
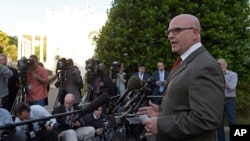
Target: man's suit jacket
[(62, 119), (192, 106), (145, 76), (156, 77), (156, 89), (74, 83)]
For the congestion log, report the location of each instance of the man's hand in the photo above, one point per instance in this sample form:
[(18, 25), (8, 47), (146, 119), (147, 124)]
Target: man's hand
[(152, 110), (77, 124)]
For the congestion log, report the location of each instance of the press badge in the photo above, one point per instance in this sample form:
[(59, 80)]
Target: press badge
[(29, 86), (32, 134)]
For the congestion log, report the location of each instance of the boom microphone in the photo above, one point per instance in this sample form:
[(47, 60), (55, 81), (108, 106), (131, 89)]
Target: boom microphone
[(102, 99), (134, 83)]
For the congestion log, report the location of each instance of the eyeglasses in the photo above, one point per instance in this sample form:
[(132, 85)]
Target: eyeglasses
[(177, 30)]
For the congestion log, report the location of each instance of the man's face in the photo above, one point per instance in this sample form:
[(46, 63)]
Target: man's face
[(3, 60), (181, 35), (141, 69), (35, 64), (68, 104), (222, 65), (25, 115), (160, 66), (98, 112)]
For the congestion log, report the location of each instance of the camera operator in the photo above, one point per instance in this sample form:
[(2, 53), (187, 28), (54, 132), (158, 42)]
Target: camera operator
[(72, 126), (8, 100), (73, 81), (5, 73), (37, 81), (118, 76), (101, 83), (37, 131)]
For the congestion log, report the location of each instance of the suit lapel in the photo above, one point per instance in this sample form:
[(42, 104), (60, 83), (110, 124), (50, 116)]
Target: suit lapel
[(184, 64)]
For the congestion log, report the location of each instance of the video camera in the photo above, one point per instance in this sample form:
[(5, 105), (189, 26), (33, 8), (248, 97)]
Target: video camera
[(62, 64), (115, 68), (24, 65), (91, 68)]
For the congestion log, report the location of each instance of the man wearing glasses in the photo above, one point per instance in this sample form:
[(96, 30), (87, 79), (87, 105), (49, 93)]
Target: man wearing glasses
[(192, 106)]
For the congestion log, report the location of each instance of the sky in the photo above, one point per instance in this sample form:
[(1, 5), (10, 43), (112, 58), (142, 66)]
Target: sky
[(13, 12)]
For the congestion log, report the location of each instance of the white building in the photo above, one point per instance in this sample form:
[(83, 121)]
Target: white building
[(69, 33)]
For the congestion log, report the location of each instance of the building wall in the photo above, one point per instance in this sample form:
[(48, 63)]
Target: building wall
[(69, 34)]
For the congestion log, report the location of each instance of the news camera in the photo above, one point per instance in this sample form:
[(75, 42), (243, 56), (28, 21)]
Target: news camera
[(115, 68), (62, 64), (91, 66), (24, 65)]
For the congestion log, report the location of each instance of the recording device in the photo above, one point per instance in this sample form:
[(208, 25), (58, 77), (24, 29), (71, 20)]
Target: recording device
[(134, 83), (130, 104), (91, 66), (115, 68), (63, 64), (24, 65), (101, 100)]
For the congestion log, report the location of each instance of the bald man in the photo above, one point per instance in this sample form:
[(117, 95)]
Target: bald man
[(192, 106), (230, 97), (72, 126)]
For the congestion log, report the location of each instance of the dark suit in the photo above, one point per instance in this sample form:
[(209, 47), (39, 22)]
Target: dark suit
[(192, 106), (74, 84), (145, 76), (156, 89), (62, 119)]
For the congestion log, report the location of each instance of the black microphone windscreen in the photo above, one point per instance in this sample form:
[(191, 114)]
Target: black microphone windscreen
[(134, 82), (101, 100)]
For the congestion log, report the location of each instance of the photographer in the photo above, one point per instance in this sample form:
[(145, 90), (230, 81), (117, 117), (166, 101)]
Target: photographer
[(101, 83), (73, 81), (118, 76), (37, 81), (34, 131), (5, 73), (72, 126)]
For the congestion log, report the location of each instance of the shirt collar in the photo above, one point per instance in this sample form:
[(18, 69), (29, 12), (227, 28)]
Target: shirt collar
[(190, 50)]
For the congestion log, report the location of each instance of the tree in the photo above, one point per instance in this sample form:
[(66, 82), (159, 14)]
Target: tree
[(134, 31), (4, 41), (8, 45)]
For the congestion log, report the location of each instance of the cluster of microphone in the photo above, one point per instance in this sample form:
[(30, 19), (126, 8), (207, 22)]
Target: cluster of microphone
[(133, 97)]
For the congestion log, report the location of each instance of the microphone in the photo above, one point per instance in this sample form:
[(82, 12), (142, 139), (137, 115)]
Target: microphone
[(102, 99), (134, 83), (137, 99)]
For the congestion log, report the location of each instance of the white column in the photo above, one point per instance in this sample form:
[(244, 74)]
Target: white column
[(33, 44), (41, 49), (19, 47), (23, 47)]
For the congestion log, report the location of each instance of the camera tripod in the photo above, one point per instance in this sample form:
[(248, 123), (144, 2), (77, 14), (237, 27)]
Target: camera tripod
[(20, 97), (60, 85)]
